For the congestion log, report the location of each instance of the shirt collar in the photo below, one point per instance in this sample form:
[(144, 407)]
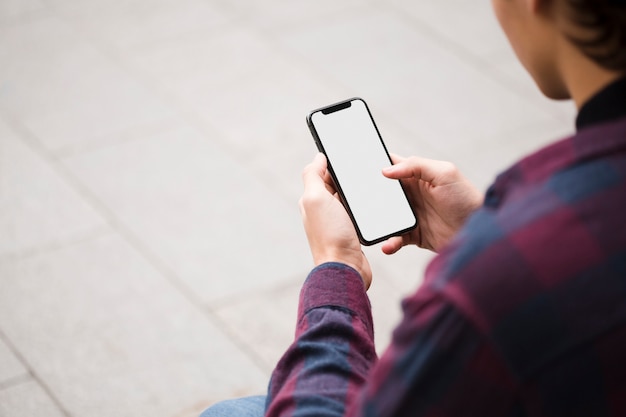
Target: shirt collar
[(608, 104)]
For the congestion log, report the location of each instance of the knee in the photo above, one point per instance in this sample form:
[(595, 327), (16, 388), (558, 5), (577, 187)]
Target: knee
[(241, 407)]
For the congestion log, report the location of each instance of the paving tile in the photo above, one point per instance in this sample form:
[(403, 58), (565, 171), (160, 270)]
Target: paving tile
[(276, 15), (431, 91), (265, 320), (264, 120), (471, 26), (63, 90), (10, 366), (195, 66), (256, 97), (14, 9), (111, 336), (127, 24), (206, 215), (27, 399), (37, 208)]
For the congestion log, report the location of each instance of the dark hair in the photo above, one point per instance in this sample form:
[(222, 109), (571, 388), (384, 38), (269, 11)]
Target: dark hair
[(605, 21)]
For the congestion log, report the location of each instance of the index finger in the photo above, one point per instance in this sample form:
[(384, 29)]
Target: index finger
[(314, 174)]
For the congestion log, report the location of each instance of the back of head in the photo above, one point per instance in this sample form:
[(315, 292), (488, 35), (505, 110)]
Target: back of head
[(601, 33), (571, 48)]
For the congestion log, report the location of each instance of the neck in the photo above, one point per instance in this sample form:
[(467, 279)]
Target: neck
[(583, 77)]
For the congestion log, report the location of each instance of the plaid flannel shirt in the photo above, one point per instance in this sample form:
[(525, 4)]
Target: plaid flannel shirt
[(523, 314)]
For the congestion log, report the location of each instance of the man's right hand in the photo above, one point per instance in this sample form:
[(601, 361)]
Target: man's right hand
[(441, 198)]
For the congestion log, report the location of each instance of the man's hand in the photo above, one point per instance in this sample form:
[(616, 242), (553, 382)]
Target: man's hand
[(330, 232), (440, 196)]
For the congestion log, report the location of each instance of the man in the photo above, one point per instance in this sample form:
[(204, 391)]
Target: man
[(523, 313)]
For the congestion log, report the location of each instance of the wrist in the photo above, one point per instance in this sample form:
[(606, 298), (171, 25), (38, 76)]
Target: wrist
[(338, 285), (360, 265)]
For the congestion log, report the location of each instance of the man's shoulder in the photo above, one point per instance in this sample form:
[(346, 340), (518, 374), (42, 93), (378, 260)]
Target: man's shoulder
[(554, 213), (543, 269)]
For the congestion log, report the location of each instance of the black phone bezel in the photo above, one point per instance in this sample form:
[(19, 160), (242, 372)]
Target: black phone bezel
[(332, 108)]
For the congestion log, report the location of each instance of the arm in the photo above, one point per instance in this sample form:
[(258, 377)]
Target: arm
[(330, 369), (438, 364), (333, 350)]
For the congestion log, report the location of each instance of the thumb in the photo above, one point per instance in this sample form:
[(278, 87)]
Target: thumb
[(428, 170)]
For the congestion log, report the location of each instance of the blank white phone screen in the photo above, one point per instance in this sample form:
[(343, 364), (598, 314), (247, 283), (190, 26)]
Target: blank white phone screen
[(357, 156)]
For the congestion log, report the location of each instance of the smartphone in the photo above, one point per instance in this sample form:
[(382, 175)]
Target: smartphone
[(378, 206)]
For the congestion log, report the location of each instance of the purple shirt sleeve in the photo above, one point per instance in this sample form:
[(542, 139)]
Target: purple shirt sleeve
[(331, 369), (333, 350)]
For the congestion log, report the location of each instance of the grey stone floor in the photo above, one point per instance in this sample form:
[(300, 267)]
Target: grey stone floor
[(151, 249)]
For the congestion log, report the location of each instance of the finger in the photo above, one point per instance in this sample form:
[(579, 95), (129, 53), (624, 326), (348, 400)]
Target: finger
[(314, 173), (395, 158), (330, 184), (395, 243), (428, 170), (392, 245)]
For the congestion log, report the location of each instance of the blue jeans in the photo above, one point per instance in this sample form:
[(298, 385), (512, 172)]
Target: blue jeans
[(241, 407)]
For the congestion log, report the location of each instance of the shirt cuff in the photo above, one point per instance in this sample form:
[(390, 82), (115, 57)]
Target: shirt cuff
[(339, 286)]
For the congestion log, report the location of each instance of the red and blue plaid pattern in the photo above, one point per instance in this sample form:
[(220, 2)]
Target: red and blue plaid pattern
[(524, 314)]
